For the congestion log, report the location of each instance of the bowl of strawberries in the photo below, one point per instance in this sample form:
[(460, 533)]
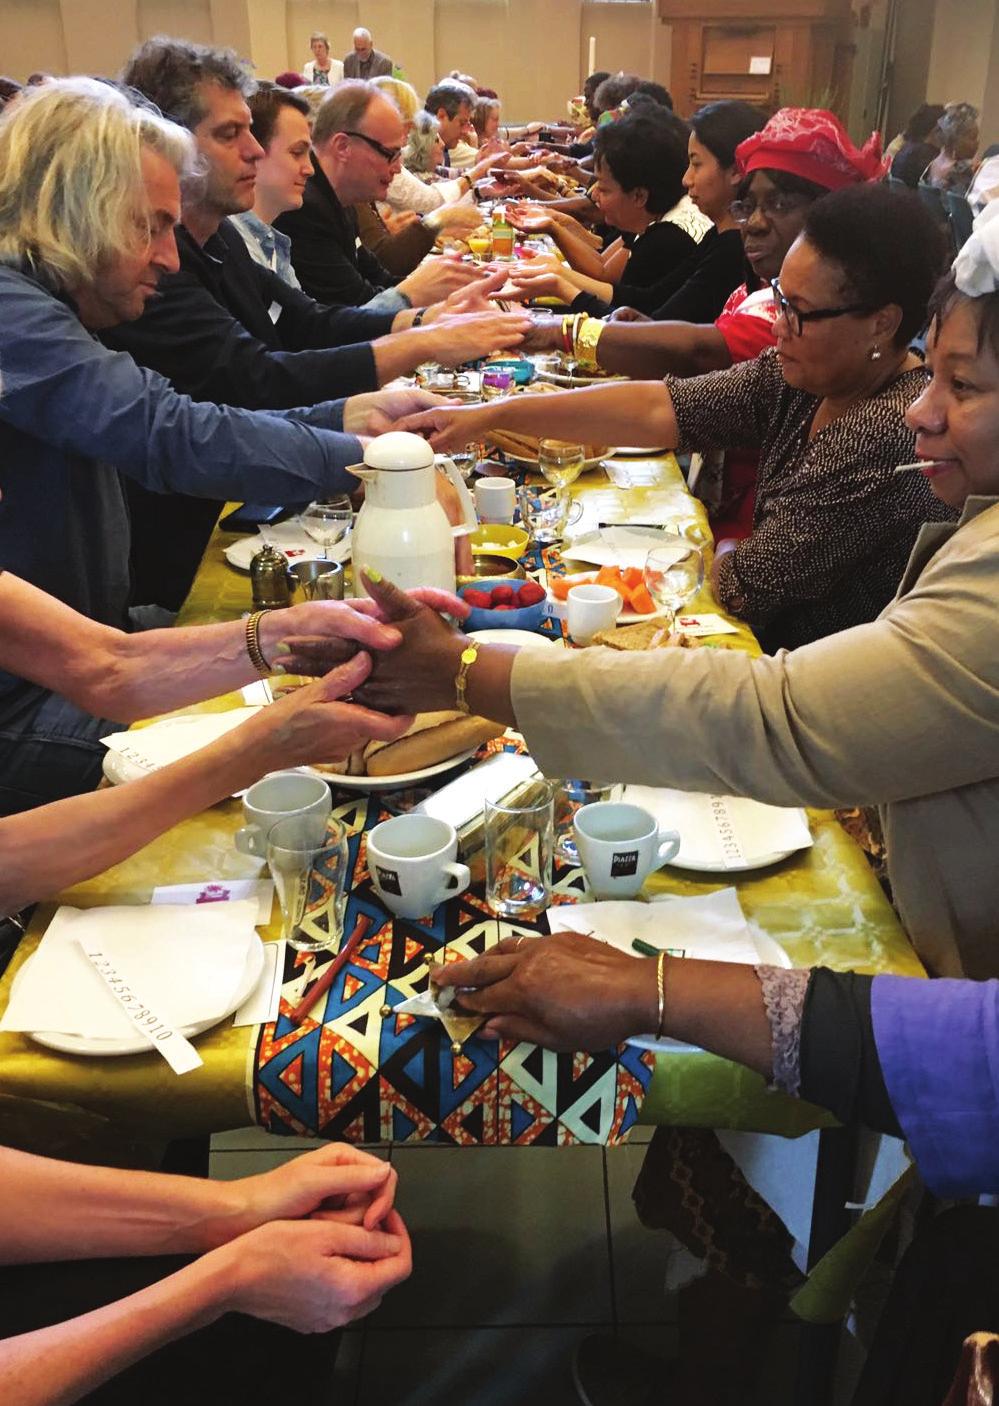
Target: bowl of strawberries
[(503, 604)]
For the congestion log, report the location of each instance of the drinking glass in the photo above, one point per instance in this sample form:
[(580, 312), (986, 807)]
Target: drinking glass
[(328, 520), (466, 460), (674, 573), (561, 463), (308, 859), (519, 836), (570, 795), (547, 514)]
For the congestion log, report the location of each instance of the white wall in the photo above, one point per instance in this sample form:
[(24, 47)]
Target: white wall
[(963, 35)]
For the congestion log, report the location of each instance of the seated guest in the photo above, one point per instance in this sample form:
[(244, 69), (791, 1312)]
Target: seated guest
[(798, 156), (414, 186), (899, 712), (833, 524), (919, 144), (451, 103), (321, 71), (104, 1267), (364, 60), (280, 126), (702, 282), (228, 330), (640, 163), (114, 675), (954, 168), (357, 141), (89, 196)]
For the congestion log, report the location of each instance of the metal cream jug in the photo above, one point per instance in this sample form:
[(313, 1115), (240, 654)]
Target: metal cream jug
[(401, 529)]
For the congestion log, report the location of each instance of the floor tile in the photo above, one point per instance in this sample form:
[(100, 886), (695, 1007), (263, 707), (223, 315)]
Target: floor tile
[(502, 1236), (640, 1133), (641, 1257), (484, 1366)]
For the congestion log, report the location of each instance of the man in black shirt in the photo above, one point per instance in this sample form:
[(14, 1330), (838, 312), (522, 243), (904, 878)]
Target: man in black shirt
[(209, 331)]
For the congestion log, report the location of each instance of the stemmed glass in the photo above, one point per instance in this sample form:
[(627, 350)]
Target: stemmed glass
[(561, 463), (327, 521), (674, 573)]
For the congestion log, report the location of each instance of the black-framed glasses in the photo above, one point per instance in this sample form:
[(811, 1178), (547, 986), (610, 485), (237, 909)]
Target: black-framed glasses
[(390, 153), (771, 207), (796, 319)]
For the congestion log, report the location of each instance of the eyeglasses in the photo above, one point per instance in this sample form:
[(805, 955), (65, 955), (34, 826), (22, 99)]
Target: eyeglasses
[(390, 153), (796, 319), (771, 207)]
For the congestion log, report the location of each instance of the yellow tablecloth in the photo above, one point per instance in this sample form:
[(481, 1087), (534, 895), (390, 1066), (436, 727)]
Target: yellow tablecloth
[(823, 906)]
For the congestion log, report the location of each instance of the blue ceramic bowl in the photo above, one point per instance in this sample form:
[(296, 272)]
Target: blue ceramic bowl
[(528, 617)]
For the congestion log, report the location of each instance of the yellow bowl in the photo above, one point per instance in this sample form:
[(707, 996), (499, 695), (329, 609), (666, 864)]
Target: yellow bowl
[(493, 566), (499, 539)]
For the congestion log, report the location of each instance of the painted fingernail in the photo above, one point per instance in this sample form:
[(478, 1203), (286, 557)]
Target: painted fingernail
[(372, 574), (278, 669), (282, 648)]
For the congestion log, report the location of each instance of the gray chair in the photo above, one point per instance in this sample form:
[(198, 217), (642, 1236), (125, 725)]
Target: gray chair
[(961, 216)]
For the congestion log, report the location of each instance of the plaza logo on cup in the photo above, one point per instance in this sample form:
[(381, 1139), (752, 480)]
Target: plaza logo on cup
[(412, 860), (278, 797), (619, 845)]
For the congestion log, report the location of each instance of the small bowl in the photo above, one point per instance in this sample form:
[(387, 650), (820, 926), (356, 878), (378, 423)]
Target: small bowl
[(499, 539), (519, 368), (495, 568), (528, 617)]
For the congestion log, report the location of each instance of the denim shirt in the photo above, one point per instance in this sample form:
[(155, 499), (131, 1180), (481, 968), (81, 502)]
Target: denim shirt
[(269, 247), (73, 413)]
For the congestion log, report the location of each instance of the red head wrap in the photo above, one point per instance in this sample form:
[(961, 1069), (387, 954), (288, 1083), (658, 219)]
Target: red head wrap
[(812, 143)]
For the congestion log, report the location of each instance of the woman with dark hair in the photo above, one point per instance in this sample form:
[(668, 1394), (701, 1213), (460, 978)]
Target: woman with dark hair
[(920, 144), (833, 526), (953, 169)]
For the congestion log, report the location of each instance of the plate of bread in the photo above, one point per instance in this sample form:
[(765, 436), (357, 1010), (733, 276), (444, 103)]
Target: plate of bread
[(524, 447), (435, 743)]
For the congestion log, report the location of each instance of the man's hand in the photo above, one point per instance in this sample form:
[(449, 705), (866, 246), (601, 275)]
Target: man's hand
[(395, 221), (476, 297), (435, 278), (458, 218), (375, 412), (565, 992), (545, 335), (450, 428), (313, 1276), (454, 340)]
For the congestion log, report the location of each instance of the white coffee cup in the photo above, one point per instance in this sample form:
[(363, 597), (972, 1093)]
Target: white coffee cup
[(276, 797), (591, 609), (620, 845), (495, 499), (411, 859)]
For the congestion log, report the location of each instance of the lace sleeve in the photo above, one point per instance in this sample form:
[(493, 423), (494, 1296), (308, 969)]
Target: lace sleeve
[(784, 998)]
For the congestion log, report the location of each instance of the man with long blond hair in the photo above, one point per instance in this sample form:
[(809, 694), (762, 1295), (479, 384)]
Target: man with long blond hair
[(89, 195)]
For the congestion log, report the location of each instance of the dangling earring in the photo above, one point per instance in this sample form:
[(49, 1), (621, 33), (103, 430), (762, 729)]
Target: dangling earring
[(876, 353)]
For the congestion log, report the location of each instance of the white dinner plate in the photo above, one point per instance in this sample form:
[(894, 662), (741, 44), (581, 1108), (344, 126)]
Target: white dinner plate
[(106, 1049), (593, 462), (240, 553), (639, 451), (771, 955), (526, 638), (398, 782), (697, 865), (627, 617)]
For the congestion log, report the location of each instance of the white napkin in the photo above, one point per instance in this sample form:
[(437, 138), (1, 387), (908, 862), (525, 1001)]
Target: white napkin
[(149, 748), (723, 832), (711, 927), (186, 961), (616, 546), (289, 537)]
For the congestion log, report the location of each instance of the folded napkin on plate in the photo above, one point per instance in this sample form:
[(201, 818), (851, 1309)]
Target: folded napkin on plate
[(187, 962), (723, 832), (161, 743), (711, 927), (621, 546)]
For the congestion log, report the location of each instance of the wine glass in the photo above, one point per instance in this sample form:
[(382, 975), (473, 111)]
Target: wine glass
[(327, 521), (561, 463), (674, 573)]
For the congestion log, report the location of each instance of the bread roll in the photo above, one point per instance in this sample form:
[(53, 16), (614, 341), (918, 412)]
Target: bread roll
[(428, 743)]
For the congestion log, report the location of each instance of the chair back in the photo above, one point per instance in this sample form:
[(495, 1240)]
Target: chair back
[(961, 216)]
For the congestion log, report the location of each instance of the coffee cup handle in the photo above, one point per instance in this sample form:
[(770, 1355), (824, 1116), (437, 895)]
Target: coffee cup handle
[(462, 876), (669, 847), (249, 840)]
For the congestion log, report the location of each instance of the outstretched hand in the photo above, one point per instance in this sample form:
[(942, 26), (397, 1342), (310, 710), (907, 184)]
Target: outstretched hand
[(419, 675)]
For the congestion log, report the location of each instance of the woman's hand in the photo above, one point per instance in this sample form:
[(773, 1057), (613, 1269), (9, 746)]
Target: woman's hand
[(629, 315), (395, 221), (545, 335), (543, 283), (310, 724), (565, 992), (335, 1181), (312, 1275), (338, 630), (529, 220), (451, 427), (375, 412), (418, 676)]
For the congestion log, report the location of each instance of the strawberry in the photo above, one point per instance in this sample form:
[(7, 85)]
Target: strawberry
[(480, 600), (530, 593), (502, 595)]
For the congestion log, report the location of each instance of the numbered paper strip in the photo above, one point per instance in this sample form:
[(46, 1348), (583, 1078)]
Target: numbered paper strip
[(731, 849), (175, 1048)]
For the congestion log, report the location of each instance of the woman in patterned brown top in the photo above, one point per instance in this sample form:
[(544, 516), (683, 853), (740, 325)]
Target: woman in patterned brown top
[(833, 525)]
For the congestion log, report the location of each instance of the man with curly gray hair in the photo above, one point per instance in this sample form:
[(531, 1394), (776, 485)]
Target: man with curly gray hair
[(89, 194)]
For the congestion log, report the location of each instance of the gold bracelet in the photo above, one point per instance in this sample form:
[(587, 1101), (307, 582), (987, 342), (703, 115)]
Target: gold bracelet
[(661, 986), (588, 334), (253, 642), (468, 657)]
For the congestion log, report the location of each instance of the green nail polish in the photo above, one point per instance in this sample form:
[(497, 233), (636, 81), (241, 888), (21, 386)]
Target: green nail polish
[(282, 648), (373, 575), (278, 669)]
